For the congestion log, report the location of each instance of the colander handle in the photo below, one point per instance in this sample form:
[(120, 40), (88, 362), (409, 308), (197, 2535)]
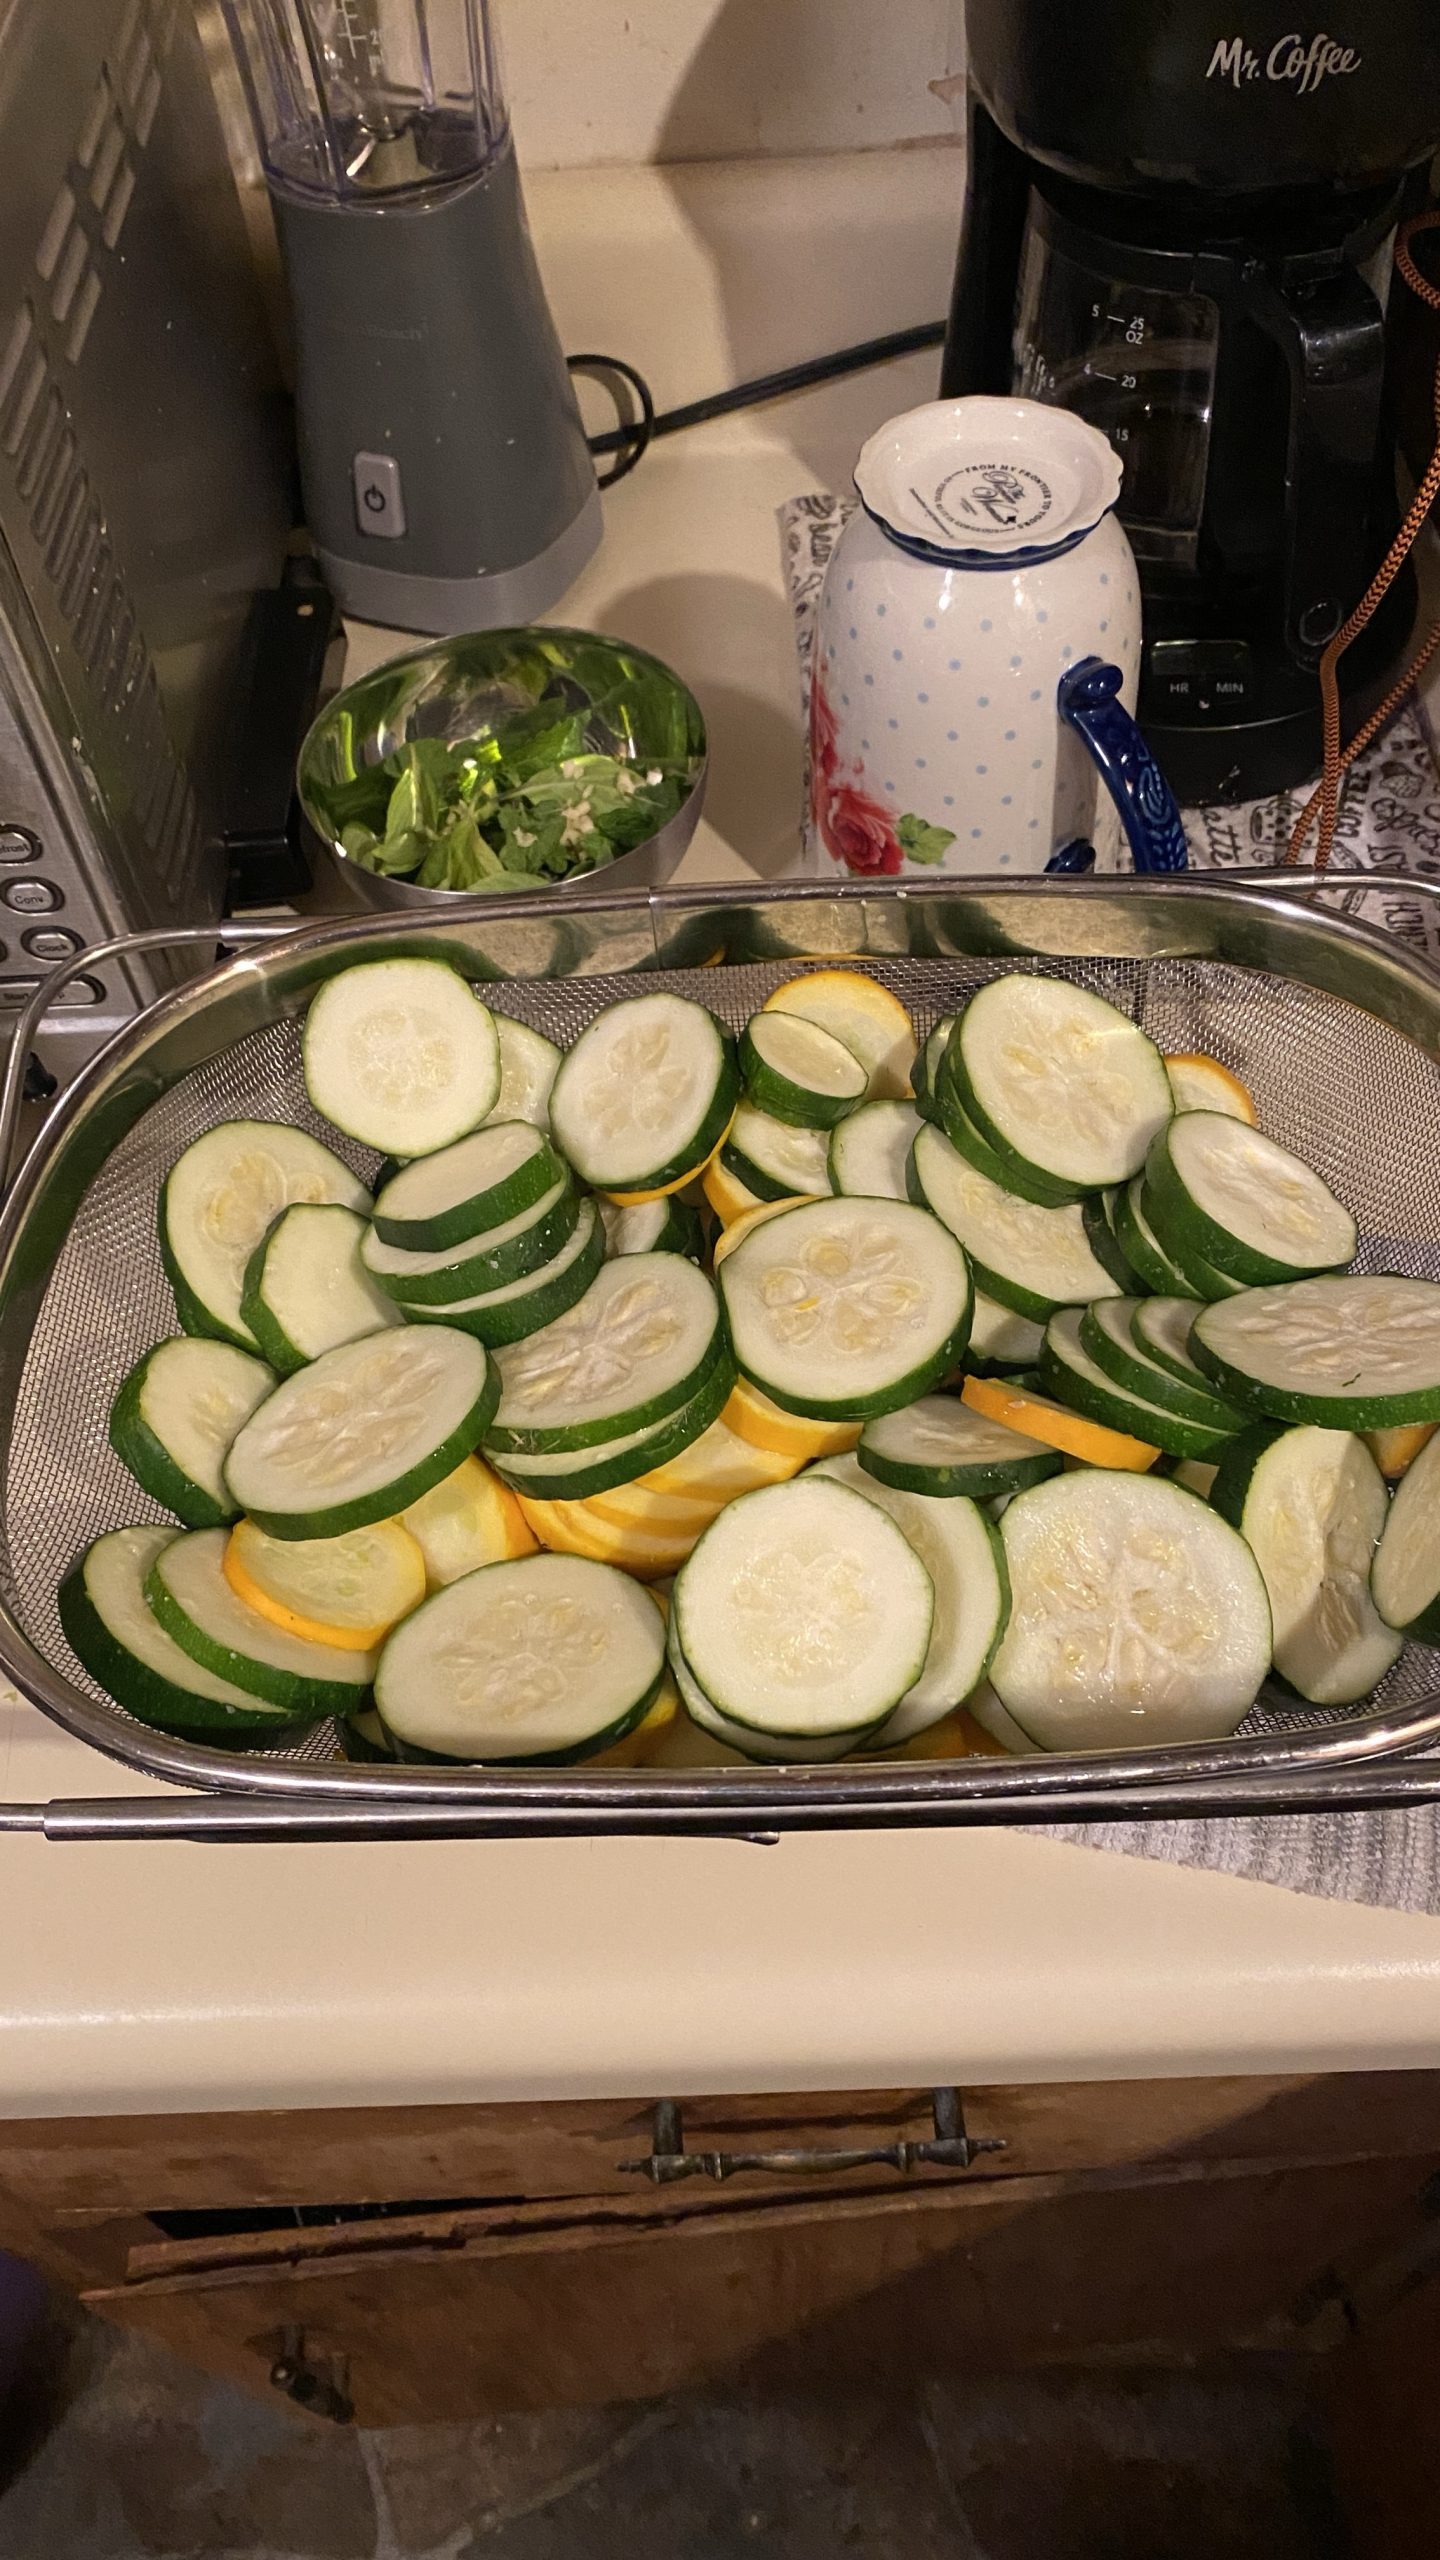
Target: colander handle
[(121, 946)]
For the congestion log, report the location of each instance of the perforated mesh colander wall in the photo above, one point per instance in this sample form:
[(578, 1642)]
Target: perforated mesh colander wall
[(1358, 1099)]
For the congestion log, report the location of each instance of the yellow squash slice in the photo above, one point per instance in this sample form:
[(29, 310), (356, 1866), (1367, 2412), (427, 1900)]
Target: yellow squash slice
[(1022, 1410), (347, 1592), (468, 1519), (753, 1416)]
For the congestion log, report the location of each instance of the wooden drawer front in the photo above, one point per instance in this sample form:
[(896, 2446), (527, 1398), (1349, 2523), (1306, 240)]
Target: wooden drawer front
[(355, 2155), (482, 2313)]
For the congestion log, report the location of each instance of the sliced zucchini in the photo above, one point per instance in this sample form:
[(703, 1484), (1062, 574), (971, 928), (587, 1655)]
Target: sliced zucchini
[(343, 1592), (1137, 1616), (991, 1717), (175, 1416), (1200, 1083), (1108, 1333), (522, 1306), (941, 1447), (653, 1226), (109, 1627), (1405, 1578), (1070, 1373), (1360, 1350), (641, 1342), (467, 1520), (804, 1611), (1032, 1259), (509, 1252), (529, 1064), (543, 1661), (1141, 1246), (1202, 1279), (925, 1072), (573, 1475), (362, 1432), (1224, 1191), (1058, 1080), (221, 1196), (796, 1071), (646, 1093), (306, 1288), (1098, 1212), (999, 1339), (402, 1055), (189, 1595), (1310, 1504), (470, 1189), (870, 1152), (845, 1308), (961, 1551), (864, 1015), (1007, 1171), (741, 1739), (771, 1159)]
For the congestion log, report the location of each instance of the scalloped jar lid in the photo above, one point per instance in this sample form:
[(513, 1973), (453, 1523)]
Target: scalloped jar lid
[(983, 483)]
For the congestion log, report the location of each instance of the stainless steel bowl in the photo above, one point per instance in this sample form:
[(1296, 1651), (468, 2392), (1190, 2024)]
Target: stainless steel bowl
[(468, 688)]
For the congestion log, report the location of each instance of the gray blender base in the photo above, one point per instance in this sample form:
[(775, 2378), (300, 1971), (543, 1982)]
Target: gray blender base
[(491, 601), (448, 483)]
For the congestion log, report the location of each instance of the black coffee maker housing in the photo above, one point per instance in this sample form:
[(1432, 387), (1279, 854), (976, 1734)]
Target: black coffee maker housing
[(1183, 230)]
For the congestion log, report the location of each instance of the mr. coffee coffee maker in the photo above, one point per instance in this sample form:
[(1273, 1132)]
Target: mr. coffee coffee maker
[(1183, 229)]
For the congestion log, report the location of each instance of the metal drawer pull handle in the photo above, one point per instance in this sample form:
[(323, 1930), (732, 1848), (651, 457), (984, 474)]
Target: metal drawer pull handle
[(668, 2159)]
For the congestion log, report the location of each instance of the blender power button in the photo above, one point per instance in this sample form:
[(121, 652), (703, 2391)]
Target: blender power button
[(379, 503)]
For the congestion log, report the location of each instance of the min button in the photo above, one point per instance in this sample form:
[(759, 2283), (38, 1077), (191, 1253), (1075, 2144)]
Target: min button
[(379, 505)]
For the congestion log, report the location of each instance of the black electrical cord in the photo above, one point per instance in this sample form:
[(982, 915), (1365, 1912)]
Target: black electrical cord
[(633, 437)]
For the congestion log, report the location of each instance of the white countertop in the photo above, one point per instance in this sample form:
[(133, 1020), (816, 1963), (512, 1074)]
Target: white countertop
[(160, 1978)]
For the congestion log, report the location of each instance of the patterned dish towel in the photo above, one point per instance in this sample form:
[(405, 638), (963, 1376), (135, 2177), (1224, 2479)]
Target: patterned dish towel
[(1389, 824)]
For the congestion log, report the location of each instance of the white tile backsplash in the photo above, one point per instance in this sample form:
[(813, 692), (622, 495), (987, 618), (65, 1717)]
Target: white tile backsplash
[(605, 81)]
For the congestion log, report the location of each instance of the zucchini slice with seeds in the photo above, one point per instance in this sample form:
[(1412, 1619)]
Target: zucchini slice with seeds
[(1223, 1191), (1310, 1504), (469, 1189), (401, 1054), (1031, 1258), (1137, 1616), (111, 1629), (362, 1432), (1405, 1578), (644, 1339), (1360, 1350), (796, 1071), (221, 1197), (870, 1152), (646, 1093), (306, 1288), (844, 1308), (542, 1662), (175, 1416), (1059, 1081), (187, 1589), (941, 1447)]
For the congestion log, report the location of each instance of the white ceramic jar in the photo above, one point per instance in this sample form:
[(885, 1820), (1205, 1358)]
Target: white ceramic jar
[(983, 562)]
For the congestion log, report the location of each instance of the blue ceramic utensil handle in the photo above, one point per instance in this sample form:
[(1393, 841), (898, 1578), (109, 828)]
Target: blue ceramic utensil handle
[(1089, 698)]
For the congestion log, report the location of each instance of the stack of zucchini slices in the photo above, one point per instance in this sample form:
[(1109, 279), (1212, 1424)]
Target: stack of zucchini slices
[(1012, 1389)]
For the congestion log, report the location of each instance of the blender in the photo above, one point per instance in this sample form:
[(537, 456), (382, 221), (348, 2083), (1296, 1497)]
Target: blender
[(447, 480)]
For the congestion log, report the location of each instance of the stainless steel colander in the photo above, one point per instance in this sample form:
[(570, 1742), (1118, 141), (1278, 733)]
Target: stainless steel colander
[(1332, 1023)]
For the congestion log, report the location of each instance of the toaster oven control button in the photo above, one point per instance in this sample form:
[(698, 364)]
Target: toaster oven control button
[(379, 505), (50, 942), (79, 991), (31, 897), (18, 845), (15, 992)]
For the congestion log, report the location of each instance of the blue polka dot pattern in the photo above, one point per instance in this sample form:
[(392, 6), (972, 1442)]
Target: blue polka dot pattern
[(919, 764), (897, 653), (977, 833), (894, 724)]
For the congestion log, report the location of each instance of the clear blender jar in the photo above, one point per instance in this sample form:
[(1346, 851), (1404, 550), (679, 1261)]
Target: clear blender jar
[(446, 475)]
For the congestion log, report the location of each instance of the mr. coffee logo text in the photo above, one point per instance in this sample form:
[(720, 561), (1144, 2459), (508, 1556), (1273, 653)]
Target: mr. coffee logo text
[(1300, 62)]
